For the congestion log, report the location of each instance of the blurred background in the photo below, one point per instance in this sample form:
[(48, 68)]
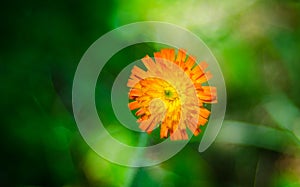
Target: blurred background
[(256, 43)]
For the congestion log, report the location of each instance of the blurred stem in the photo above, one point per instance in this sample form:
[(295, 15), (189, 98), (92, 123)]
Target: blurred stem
[(131, 172)]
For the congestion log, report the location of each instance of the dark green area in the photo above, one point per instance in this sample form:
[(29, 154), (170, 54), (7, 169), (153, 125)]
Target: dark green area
[(257, 45)]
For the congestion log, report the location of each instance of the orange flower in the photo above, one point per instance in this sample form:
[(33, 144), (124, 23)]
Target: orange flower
[(170, 94)]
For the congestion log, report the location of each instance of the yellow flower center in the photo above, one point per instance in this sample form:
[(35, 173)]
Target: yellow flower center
[(170, 93)]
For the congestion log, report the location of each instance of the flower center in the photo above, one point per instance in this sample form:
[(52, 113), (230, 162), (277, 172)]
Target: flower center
[(170, 93)]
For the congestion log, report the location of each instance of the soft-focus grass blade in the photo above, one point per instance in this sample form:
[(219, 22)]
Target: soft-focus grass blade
[(284, 113), (236, 132)]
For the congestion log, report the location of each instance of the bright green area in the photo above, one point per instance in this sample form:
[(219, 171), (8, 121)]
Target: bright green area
[(256, 43)]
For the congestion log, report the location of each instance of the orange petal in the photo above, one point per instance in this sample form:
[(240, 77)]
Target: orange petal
[(131, 83), (192, 125), (159, 60), (204, 78), (184, 135), (148, 62), (207, 98), (133, 105), (204, 112), (140, 112), (209, 89), (201, 121), (190, 63), (168, 54), (197, 72), (163, 131), (198, 86), (203, 65), (135, 93), (176, 135), (180, 56), (196, 132), (138, 72)]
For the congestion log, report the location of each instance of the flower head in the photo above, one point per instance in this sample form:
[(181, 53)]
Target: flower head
[(171, 94)]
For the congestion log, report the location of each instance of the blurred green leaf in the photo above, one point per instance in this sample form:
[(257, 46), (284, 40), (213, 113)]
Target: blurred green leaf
[(284, 113), (241, 133)]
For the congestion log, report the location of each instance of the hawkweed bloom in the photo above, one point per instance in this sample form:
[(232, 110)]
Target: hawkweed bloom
[(170, 94)]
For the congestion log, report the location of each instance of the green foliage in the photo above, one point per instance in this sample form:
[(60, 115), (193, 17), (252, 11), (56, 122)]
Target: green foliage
[(257, 44)]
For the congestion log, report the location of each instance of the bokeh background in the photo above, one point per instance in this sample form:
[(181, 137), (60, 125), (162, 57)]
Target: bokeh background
[(256, 43)]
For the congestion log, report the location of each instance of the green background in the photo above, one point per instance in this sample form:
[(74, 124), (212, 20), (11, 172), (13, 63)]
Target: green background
[(256, 43)]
